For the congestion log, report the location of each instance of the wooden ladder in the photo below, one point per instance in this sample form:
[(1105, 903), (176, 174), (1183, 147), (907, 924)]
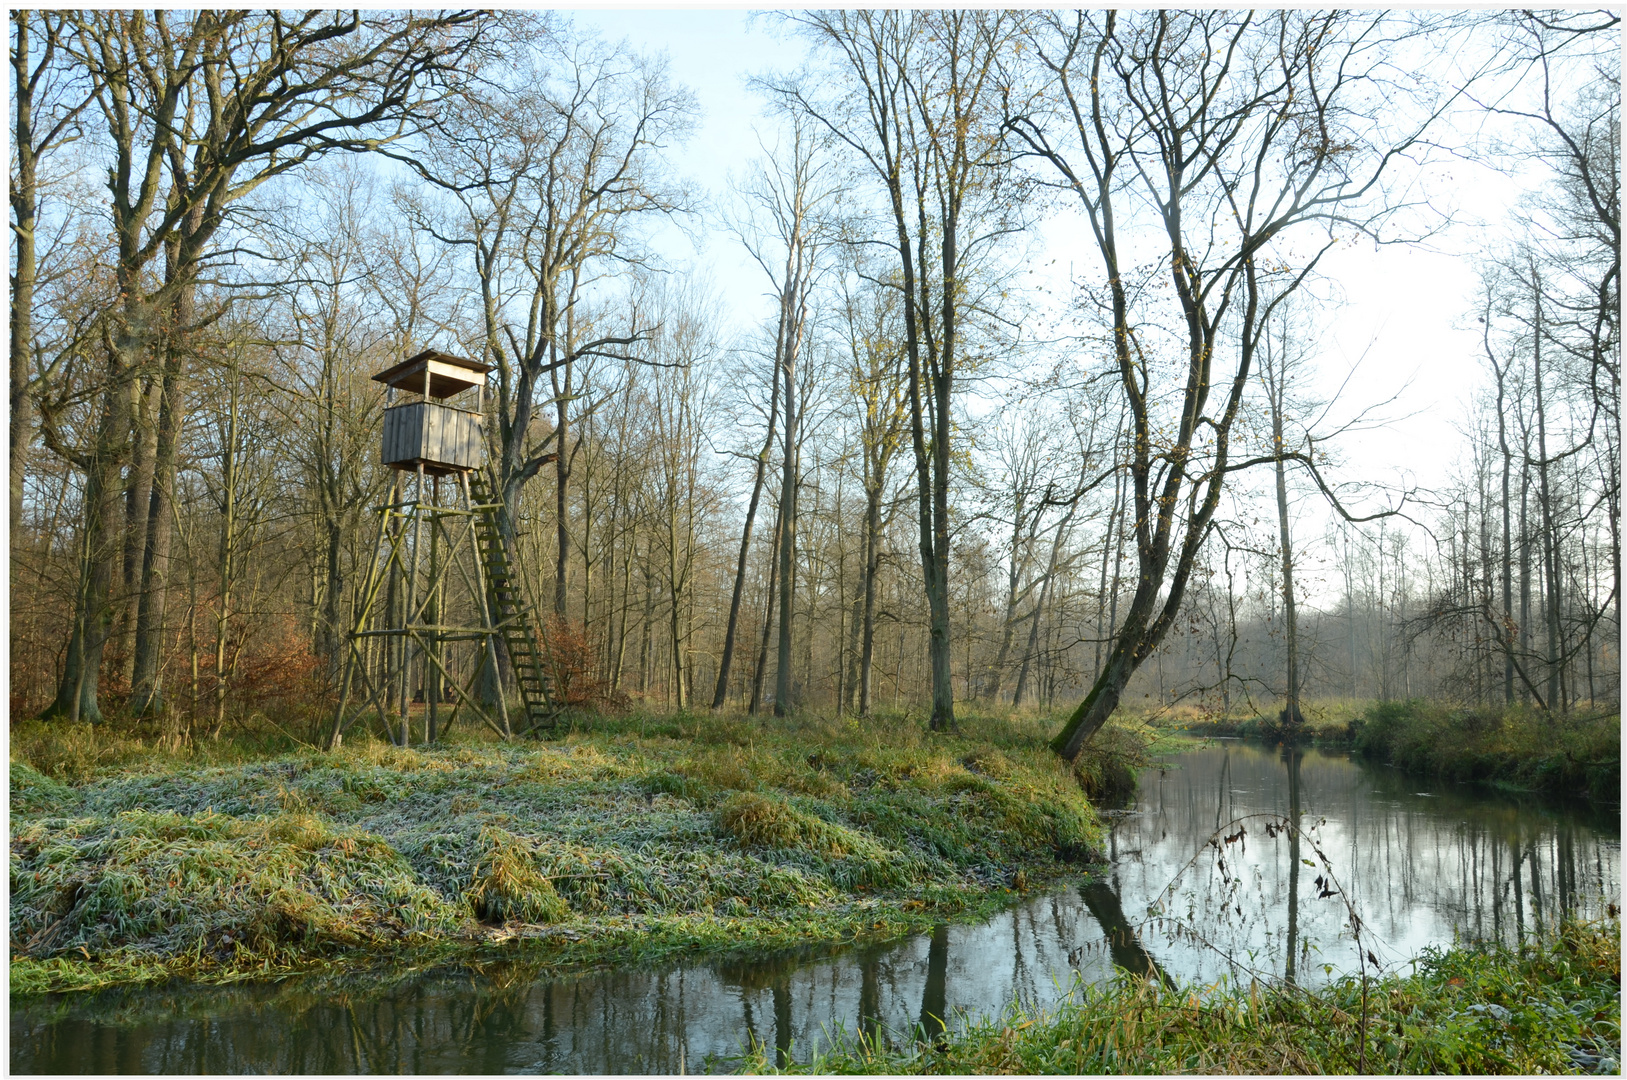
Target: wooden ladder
[(513, 617)]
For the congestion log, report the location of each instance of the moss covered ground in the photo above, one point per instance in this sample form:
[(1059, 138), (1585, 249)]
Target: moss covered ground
[(638, 836), (1553, 1007)]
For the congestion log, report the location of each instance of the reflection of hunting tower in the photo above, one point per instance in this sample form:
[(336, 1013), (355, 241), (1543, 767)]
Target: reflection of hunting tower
[(441, 589)]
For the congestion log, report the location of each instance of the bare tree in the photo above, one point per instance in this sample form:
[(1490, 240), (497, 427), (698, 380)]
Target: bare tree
[(921, 120), (792, 191), (877, 375), (47, 98), (196, 112), (1239, 132)]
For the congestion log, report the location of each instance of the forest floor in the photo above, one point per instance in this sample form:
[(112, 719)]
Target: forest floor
[(639, 838), (1553, 1007), (1577, 755)]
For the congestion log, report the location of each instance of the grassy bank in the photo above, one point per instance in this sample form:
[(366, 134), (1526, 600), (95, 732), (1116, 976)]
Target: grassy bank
[(1576, 755), (641, 837), (1554, 1008)]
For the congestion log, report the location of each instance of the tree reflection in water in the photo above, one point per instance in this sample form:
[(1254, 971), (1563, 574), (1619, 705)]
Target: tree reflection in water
[(1292, 755), (1123, 943)]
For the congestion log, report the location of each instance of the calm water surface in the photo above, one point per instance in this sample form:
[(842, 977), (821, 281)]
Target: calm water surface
[(1419, 863)]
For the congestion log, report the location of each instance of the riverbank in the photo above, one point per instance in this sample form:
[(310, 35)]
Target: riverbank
[(1553, 1008), (642, 838), (1573, 756)]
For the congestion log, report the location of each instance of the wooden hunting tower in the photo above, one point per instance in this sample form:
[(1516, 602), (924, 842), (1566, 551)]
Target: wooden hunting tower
[(442, 589)]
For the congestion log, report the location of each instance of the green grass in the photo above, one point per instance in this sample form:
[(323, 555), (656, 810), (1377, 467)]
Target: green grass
[(641, 836), (1577, 755), (1474, 1009)]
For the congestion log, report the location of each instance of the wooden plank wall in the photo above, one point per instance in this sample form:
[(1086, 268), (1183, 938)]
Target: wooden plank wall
[(434, 434)]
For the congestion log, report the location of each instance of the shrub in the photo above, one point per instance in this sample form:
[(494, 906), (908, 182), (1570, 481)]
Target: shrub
[(570, 656)]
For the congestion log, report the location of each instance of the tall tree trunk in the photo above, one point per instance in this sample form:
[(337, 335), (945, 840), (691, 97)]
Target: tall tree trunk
[(769, 607), (942, 381), (872, 566), (227, 558), (996, 678), (677, 609), (626, 605), (145, 406), (145, 691), (726, 661), (77, 694), (1550, 554), (645, 627), (1037, 615), (1290, 712), (1525, 559), (25, 268), (788, 532), (562, 479), (153, 600), (331, 639), (855, 625), (1507, 562)]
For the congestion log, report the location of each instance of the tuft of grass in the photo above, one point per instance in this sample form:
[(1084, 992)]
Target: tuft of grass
[(1552, 1007), (848, 857), (508, 884), (759, 821), (32, 792)]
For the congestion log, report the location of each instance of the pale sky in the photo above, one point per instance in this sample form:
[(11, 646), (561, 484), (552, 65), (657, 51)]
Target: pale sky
[(1409, 309)]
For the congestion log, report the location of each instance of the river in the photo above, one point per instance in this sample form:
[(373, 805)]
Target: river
[(1418, 863)]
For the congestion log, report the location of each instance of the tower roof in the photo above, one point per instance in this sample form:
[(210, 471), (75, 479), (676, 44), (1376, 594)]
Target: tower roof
[(434, 374)]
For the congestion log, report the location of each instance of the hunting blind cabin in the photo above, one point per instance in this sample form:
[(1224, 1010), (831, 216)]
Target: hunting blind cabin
[(442, 589)]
